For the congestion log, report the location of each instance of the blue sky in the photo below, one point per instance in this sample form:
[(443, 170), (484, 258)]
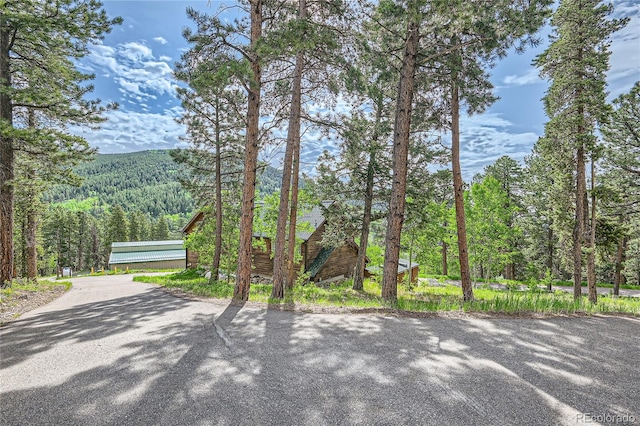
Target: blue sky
[(133, 67)]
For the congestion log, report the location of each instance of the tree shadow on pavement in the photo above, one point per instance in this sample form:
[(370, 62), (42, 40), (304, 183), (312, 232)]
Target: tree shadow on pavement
[(255, 365)]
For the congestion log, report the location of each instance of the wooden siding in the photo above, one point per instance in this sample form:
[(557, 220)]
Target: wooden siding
[(193, 258), (312, 246), (414, 275), (341, 262), (262, 262), (195, 222)]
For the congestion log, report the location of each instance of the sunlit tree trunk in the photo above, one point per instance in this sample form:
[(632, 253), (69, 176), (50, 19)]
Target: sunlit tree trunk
[(458, 189), (284, 248), (402, 126), (243, 276), (591, 256), (6, 162)]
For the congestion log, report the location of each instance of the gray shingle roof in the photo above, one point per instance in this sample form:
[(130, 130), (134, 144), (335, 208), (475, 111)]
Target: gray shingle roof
[(315, 218), (403, 265)]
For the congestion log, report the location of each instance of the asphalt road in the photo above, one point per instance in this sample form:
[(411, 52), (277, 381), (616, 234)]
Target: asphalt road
[(114, 352)]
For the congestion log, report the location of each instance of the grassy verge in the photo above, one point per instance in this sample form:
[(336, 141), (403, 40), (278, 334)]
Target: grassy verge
[(421, 298), (21, 296), (602, 285), (445, 278), (21, 285)]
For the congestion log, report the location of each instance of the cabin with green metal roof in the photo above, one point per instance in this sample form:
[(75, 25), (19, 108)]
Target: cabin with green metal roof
[(148, 255)]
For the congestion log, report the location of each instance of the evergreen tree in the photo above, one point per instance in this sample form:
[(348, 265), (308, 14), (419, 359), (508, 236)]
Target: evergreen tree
[(116, 228), (490, 228), (237, 44), (576, 62), (622, 180), (134, 226), (160, 230), (39, 44), (312, 41), (542, 251), (509, 173), (448, 46), (213, 120)]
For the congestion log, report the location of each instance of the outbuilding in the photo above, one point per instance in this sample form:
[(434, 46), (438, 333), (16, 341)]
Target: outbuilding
[(148, 255)]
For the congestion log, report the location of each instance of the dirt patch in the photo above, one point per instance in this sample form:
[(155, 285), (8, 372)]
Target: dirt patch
[(21, 301)]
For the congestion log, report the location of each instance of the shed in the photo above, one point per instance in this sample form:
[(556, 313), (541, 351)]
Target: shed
[(403, 269), (196, 223), (148, 255)]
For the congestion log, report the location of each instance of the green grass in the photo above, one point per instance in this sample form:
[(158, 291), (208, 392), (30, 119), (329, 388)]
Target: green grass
[(20, 285), (603, 285), (421, 298), (445, 278)]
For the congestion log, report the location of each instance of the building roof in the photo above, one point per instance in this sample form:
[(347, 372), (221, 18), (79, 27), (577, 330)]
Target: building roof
[(403, 265), (197, 218), (315, 218), (140, 246), (147, 256)]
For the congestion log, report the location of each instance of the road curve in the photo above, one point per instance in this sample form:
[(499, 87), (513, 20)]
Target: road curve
[(114, 352)]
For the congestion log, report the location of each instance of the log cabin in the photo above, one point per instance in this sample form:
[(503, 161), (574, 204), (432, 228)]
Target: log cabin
[(322, 263)]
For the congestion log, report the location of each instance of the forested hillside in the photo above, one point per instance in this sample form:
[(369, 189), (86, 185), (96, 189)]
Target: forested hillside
[(147, 181)]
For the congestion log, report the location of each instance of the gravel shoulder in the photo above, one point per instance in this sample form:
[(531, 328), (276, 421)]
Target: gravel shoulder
[(21, 301)]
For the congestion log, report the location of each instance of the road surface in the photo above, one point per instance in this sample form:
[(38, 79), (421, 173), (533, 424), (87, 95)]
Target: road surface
[(115, 352)]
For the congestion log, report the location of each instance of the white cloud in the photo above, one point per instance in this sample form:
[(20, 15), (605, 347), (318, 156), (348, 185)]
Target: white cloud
[(486, 137), (135, 51), (127, 131), (165, 58), (529, 77), (134, 69), (160, 40)]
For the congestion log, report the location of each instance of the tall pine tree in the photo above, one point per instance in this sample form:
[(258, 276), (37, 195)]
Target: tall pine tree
[(39, 44), (576, 62)]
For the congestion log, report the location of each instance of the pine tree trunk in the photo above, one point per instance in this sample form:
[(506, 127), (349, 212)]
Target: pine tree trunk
[(283, 257), (32, 254), (95, 247), (620, 258), (578, 227), (458, 189), (361, 260), (21, 247), (445, 266), (217, 251), (591, 257), (358, 275), (80, 246), (6, 164), (402, 127), (550, 256), (293, 214), (243, 276)]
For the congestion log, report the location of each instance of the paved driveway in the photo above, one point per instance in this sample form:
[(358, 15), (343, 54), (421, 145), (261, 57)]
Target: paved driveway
[(114, 352)]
